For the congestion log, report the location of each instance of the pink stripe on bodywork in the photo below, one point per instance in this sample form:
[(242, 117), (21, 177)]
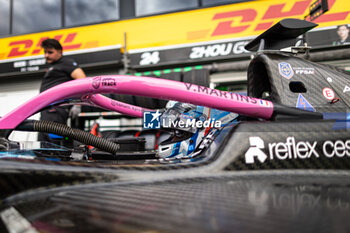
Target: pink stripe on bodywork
[(140, 86)]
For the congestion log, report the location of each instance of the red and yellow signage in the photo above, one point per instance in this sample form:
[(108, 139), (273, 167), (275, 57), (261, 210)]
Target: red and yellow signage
[(201, 25), (29, 47)]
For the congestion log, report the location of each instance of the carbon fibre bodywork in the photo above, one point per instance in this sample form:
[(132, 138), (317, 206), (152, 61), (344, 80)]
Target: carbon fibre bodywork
[(265, 74), (287, 174), (210, 194)]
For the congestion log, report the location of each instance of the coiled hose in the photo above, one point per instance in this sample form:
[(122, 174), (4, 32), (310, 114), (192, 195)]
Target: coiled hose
[(66, 131)]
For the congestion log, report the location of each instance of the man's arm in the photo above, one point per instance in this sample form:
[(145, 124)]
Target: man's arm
[(78, 73)]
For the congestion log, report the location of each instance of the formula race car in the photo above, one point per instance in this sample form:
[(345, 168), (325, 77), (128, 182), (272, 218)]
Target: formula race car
[(274, 160)]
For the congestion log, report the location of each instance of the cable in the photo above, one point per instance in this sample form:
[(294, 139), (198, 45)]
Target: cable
[(75, 134)]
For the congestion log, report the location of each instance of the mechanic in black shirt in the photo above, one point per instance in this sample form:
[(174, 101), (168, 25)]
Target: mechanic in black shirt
[(61, 70)]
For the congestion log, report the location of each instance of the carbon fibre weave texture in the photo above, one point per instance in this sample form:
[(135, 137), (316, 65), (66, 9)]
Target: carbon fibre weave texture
[(274, 72), (230, 201), (235, 202)]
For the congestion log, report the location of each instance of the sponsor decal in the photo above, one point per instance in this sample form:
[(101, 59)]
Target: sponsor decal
[(255, 150), (219, 93), (302, 103), (108, 82), (304, 70), (292, 149), (338, 148), (346, 89), (281, 150), (96, 82), (124, 105), (285, 69), (328, 93)]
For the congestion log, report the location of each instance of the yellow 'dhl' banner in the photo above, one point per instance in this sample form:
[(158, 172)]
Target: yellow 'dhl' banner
[(182, 28)]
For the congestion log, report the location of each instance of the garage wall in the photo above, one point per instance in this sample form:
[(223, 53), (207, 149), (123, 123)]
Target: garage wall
[(13, 94)]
